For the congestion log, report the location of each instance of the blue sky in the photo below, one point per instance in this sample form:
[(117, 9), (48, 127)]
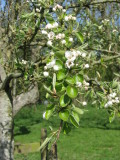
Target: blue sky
[(3, 3)]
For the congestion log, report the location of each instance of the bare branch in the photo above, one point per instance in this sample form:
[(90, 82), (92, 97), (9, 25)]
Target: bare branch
[(29, 97), (107, 59), (9, 78), (104, 1)]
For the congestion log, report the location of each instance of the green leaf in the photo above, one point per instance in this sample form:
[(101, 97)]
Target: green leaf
[(59, 64), (112, 117), (64, 100), (46, 141), (60, 54), (37, 23), (48, 114), (79, 36), (49, 111), (78, 78), (61, 74), (78, 110), (47, 89), (76, 117), (70, 80), (72, 92), (58, 87), (64, 115), (49, 18), (66, 128), (101, 94), (72, 120)]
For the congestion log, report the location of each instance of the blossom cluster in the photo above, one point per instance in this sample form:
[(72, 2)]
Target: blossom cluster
[(59, 7), (70, 17), (24, 61), (85, 85), (51, 26), (71, 57), (112, 99), (50, 65)]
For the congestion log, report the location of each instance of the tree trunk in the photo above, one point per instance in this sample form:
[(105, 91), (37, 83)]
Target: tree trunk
[(6, 127)]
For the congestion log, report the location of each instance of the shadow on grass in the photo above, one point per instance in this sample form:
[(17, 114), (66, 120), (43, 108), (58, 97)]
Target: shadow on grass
[(22, 131)]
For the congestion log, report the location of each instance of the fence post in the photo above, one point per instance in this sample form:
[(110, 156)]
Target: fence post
[(44, 152), (53, 153)]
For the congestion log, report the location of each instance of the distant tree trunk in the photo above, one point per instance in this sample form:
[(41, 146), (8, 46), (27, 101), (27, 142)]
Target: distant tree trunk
[(6, 127)]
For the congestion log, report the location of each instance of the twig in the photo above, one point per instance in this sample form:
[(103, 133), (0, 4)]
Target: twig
[(59, 131)]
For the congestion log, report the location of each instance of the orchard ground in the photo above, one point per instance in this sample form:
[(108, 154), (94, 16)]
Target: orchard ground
[(96, 139)]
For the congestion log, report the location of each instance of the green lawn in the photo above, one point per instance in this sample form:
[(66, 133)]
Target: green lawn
[(96, 139)]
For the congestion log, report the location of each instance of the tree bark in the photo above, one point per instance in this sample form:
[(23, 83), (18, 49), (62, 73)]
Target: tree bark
[(6, 127), (30, 97), (8, 108)]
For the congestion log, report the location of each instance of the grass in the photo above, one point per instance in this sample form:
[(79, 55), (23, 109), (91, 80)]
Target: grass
[(96, 139)]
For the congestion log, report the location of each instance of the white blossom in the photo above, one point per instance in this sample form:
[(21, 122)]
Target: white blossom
[(116, 98), (46, 74), (55, 67), (112, 95), (79, 84), (49, 43), (59, 7), (49, 26), (60, 36), (69, 64), (51, 64), (37, 10), (44, 115), (51, 35), (66, 18), (55, 25), (54, 9), (63, 41), (106, 105), (63, 35), (74, 53), (68, 54), (114, 30), (86, 66), (71, 39), (24, 61), (83, 55), (86, 83), (73, 18), (52, 53), (117, 101), (79, 53), (45, 67), (44, 32), (84, 103), (70, 17), (64, 10), (71, 55), (110, 103)]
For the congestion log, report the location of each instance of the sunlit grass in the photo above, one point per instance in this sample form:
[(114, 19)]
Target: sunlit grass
[(96, 139)]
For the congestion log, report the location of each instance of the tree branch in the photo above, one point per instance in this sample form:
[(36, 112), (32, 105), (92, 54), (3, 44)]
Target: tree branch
[(105, 1), (24, 99), (106, 59), (9, 78)]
